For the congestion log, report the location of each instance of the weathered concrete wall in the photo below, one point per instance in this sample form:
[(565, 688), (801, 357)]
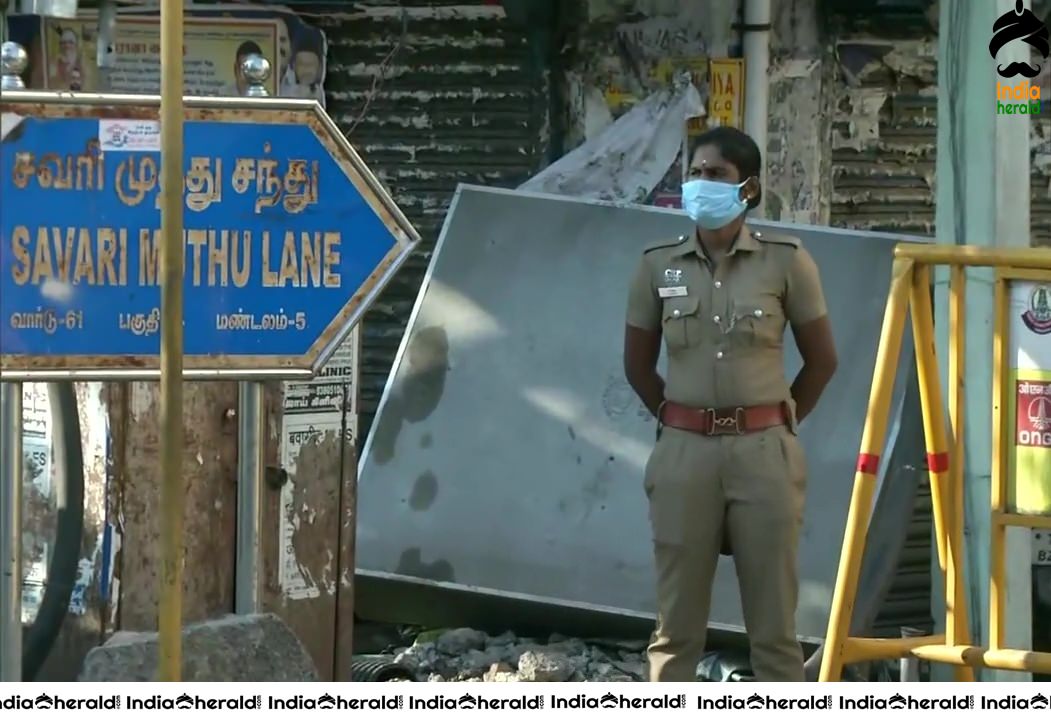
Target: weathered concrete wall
[(801, 75), (320, 510), (210, 484)]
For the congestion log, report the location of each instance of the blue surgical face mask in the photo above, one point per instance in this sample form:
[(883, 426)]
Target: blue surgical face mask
[(711, 204)]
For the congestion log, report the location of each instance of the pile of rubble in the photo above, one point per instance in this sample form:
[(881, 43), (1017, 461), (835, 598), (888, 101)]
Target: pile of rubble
[(472, 656)]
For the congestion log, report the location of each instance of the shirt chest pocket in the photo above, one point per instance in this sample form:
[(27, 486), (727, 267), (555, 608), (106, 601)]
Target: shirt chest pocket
[(759, 320), (681, 322)]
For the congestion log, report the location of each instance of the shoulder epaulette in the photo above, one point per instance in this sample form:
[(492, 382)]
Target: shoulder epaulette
[(776, 239), (666, 243)]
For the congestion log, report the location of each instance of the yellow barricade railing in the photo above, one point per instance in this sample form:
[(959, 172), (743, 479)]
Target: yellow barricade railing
[(911, 288)]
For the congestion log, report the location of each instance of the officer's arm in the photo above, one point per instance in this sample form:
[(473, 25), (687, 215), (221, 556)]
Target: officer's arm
[(642, 339), (807, 313)]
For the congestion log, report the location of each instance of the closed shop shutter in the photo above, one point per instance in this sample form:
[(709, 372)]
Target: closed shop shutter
[(884, 140), (885, 136), (459, 101)]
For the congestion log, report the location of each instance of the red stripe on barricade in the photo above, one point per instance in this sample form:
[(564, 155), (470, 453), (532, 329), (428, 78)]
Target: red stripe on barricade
[(938, 462), (868, 464)]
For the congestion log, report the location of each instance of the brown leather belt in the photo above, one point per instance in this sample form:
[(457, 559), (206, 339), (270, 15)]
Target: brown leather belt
[(723, 421)]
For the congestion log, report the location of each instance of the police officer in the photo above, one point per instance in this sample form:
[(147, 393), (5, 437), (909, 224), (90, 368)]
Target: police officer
[(727, 472)]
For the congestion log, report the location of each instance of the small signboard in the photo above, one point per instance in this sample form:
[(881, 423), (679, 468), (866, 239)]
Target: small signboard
[(1028, 400), (288, 237), (726, 92)]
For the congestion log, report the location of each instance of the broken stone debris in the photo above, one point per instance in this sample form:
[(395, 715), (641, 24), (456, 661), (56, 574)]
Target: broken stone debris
[(234, 648), (467, 655)]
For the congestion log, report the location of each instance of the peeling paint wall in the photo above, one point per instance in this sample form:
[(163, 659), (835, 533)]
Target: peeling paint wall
[(797, 153), (628, 47), (210, 486)]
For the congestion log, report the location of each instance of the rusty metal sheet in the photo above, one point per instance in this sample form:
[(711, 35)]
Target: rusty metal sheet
[(507, 456)]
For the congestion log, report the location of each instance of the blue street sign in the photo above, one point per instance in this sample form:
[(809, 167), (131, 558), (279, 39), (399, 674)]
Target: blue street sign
[(288, 237)]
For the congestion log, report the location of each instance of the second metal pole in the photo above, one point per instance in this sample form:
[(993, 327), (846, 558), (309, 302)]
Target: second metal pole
[(250, 428), (172, 260), (10, 532)]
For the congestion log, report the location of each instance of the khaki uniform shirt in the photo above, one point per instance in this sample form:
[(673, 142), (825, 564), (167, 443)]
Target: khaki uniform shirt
[(724, 329)]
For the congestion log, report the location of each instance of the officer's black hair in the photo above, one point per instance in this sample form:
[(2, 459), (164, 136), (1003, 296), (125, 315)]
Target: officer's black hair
[(248, 47), (736, 148)]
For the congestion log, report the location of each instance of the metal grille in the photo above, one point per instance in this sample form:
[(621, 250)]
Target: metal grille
[(431, 95)]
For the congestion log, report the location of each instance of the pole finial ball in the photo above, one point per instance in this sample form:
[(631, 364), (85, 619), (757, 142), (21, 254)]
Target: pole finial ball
[(256, 69), (13, 59)]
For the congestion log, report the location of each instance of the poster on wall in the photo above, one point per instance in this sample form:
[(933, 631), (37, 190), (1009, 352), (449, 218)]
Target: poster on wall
[(36, 493), (724, 79), (313, 408), (726, 92), (213, 50), (63, 52), (1029, 398), (647, 50)]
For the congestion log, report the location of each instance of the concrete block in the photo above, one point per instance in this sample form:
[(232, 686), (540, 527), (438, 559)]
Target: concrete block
[(235, 648)]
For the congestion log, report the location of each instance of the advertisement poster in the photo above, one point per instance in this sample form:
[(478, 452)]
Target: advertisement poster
[(311, 409), (724, 78), (63, 52), (213, 49), (726, 92), (1029, 399)]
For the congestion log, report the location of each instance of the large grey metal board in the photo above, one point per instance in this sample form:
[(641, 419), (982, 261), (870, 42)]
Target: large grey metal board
[(508, 452)]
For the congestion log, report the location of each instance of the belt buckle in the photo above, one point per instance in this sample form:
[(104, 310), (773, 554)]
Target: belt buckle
[(727, 424)]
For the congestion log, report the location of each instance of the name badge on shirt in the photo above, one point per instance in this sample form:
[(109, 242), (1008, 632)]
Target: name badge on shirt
[(670, 292)]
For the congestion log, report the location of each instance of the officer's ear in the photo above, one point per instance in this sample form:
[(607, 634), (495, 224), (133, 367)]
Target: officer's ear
[(751, 192), (750, 189)]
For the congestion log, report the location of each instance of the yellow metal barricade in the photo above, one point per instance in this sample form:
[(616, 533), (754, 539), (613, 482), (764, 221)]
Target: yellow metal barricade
[(911, 288)]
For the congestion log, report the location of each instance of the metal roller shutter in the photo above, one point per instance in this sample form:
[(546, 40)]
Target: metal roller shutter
[(459, 100)]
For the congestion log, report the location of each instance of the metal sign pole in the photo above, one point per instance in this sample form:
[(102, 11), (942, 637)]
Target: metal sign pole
[(249, 486), (13, 61), (250, 445), (11, 532), (171, 361)]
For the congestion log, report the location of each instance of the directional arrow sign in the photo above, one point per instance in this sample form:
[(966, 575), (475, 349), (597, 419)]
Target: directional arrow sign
[(288, 237)]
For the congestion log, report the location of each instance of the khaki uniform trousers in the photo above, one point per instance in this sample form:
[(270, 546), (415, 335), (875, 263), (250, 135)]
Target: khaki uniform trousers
[(752, 486)]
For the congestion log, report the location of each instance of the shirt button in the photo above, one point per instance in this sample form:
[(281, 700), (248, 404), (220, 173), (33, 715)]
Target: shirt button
[(716, 318), (718, 284), (719, 355), (675, 313), (757, 312)]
